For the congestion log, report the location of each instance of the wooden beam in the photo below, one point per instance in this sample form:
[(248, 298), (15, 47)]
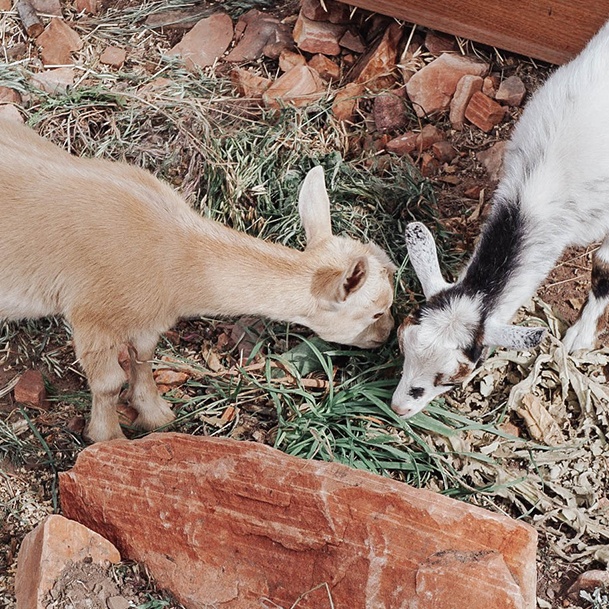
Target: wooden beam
[(550, 30)]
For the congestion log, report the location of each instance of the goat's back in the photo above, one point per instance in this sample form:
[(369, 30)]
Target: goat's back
[(81, 230)]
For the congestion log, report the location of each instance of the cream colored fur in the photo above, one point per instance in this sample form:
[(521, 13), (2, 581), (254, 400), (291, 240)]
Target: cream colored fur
[(122, 257)]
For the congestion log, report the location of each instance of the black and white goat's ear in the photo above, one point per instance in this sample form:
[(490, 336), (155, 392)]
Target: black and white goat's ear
[(424, 259), (513, 337), (314, 207)]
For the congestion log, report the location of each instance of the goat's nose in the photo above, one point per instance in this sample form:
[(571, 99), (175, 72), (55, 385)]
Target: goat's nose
[(404, 411)]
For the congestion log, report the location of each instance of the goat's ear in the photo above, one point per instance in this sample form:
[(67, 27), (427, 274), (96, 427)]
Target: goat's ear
[(336, 285), (314, 207), (424, 259), (513, 337)]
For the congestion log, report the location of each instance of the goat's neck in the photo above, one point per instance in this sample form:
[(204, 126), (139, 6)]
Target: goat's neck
[(225, 272), (513, 256)]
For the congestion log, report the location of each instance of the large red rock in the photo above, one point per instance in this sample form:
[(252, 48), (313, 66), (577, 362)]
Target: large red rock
[(484, 112), (432, 87), (205, 42), (48, 549), (227, 524), (466, 87)]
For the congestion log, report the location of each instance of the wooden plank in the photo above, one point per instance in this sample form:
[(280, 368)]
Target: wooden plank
[(550, 30)]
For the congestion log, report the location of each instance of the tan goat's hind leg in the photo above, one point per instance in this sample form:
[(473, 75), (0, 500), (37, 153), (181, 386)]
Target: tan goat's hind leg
[(153, 410), (106, 378)]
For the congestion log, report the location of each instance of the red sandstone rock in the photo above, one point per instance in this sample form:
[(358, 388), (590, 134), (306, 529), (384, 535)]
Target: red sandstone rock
[(466, 87), (88, 6), (483, 573), (113, 56), (259, 34), (46, 551), (346, 100), (205, 42), (330, 10), (10, 112), (9, 96), (249, 84), (289, 60), (403, 144), (226, 523), (432, 87), (300, 87), (484, 112), (511, 91), (317, 36), (30, 389), (47, 7), (5, 5), (589, 581), (54, 81), (389, 112), (492, 159), (58, 42), (429, 135), (437, 43), (377, 68), (490, 84), (443, 151), (170, 378), (325, 67), (352, 41)]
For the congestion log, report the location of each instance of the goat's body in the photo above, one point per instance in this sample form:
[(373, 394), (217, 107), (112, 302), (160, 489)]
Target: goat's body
[(122, 257), (554, 193)]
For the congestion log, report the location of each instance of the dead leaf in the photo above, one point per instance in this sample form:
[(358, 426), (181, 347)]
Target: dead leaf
[(539, 422)]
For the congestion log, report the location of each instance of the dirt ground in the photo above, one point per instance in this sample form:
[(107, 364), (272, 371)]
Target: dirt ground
[(27, 491)]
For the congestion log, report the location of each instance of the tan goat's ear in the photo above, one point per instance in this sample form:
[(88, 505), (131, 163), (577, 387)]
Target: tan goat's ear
[(314, 207), (336, 285)]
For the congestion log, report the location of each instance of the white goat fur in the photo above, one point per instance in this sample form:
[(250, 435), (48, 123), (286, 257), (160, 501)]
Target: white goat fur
[(554, 193), (122, 257)]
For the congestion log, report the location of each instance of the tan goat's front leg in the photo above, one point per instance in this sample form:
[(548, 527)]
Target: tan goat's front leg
[(153, 410), (99, 360)]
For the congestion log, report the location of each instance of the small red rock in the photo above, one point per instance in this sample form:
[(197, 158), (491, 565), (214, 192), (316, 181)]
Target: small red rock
[(346, 100), (511, 91), (489, 85), (352, 41), (443, 151), (330, 10), (9, 96), (289, 60), (30, 389), (5, 5), (403, 144), (58, 42), (492, 159), (300, 87), (429, 135), (484, 112), (87, 6), (589, 581), (317, 36), (48, 549), (249, 84), (389, 112), (429, 164), (205, 42), (437, 43), (54, 81), (47, 7), (113, 56), (325, 67), (466, 87), (170, 378)]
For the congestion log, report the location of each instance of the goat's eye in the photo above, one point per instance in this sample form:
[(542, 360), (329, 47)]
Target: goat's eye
[(416, 392), (377, 315)]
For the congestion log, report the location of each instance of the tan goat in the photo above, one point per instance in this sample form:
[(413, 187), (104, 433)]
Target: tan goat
[(122, 257)]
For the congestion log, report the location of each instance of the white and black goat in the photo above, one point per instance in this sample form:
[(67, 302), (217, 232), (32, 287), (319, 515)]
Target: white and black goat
[(554, 193)]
